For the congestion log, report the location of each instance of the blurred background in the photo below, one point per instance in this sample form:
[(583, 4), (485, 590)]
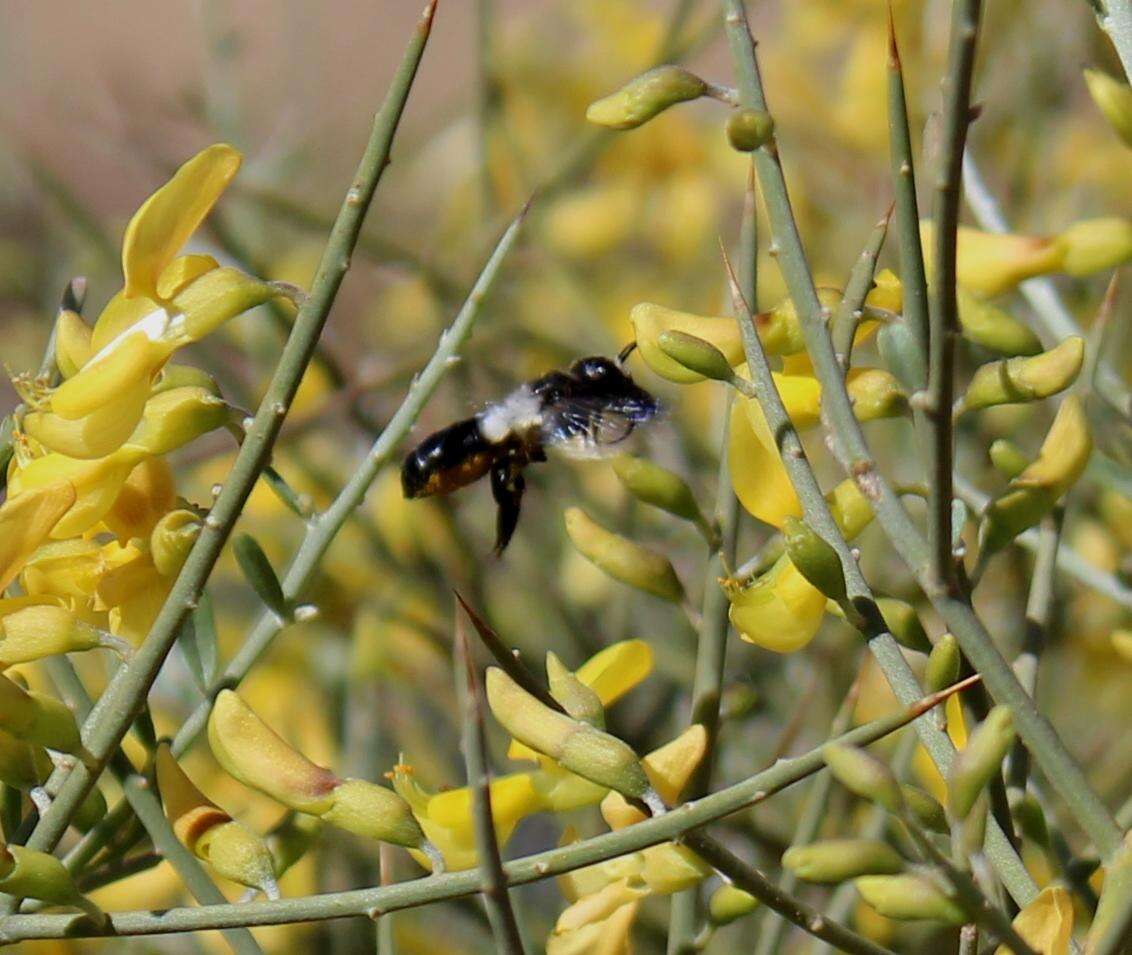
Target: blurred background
[(105, 100)]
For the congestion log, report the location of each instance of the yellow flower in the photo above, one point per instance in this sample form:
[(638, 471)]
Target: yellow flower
[(1046, 923), (26, 520)]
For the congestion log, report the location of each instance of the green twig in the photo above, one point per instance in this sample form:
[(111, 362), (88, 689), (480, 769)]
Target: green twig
[(496, 900), (452, 885), (850, 311), (126, 694)]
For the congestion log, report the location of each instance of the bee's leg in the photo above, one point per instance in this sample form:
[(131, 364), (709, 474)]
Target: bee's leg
[(507, 485)]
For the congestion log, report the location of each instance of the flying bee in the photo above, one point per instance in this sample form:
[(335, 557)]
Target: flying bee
[(581, 413)]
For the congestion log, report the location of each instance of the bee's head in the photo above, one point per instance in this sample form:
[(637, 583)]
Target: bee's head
[(598, 369), (607, 378)]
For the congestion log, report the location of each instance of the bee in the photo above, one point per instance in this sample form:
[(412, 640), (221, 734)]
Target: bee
[(582, 413)]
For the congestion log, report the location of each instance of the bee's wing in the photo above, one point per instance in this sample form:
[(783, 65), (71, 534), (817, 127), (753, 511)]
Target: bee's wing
[(587, 427)]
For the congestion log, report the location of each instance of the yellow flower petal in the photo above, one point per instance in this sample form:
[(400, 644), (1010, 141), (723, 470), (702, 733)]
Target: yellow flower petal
[(609, 937), (781, 611), (94, 435), (148, 493), (26, 519), (120, 314), (757, 472), (182, 272), (127, 364), (599, 906), (1046, 923), (216, 296), (95, 484), (614, 671), (166, 219)]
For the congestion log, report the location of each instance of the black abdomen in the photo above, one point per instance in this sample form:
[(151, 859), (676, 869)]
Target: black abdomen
[(447, 460)]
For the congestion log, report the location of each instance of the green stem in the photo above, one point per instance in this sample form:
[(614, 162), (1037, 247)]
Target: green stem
[(452, 885), (126, 694), (943, 312), (850, 311), (496, 900), (851, 449)]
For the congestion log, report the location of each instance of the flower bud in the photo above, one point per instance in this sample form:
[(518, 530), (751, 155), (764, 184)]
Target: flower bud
[(657, 486), (577, 699), (748, 129), (1023, 379), (1096, 245), (72, 342), (909, 897), (780, 611), (863, 774), (174, 418), (252, 753), (668, 768), (980, 761), (37, 875), (37, 718), (1008, 458), (926, 809), (990, 263), (1114, 99), (875, 393), (184, 376), (172, 539), (992, 327), (374, 811), (729, 903), (1034, 492), (781, 330), (650, 321), (1112, 908), (669, 868), (579, 747), (834, 860), (814, 557), (209, 832), (851, 510), (944, 663), (695, 354), (903, 623), (623, 559), (644, 96), (37, 630)]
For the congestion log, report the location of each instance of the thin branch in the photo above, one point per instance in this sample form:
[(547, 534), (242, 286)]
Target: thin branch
[(452, 885), (847, 317)]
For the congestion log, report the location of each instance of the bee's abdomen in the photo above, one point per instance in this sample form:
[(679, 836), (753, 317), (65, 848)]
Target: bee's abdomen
[(447, 460)]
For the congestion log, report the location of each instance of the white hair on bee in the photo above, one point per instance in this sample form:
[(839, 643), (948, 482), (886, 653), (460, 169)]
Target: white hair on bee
[(519, 413)]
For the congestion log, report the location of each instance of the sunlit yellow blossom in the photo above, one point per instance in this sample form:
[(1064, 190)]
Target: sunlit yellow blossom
[(1046, 923), (27, 519)]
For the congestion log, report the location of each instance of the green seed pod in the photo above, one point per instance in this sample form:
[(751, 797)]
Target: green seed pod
[(695, 354), (260, 574), (979, 761), (1096, 245), (1112, 909), (1114, 99), (622, 559), (1021, 379), (38, 875), (577, 699), (926, 808), (834, 860), (577, 746), (729, 903), (1008, 458), (863, 774), (990, 326), (943, 664), (657, 486), (645, 96), (748, 129), (814, 557), (37, 718), (904, 623), (374, 811), (908, 898)]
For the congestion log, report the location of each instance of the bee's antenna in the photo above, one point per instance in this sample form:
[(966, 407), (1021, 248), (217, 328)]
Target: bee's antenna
[(626, 352)]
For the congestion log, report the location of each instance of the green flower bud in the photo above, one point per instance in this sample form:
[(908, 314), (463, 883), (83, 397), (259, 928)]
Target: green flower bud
[(1096, 245), (834, 860), (622, 559), (748, 129), (37, 718), (1021, 379), (372, 810), (943, 664), (184, 376), (38, 875), (1114, 99), (814, 557), (696, 355), (979, 761), (174, 418), (577, 746), (904, 623), (729, 903), (577, 699), (1008, 458), (657, 486), (645, 96), (171, 540), (260, 574), (216, 296), (875, 393), (988, 325), (863, 774), (650, 321), (909, 897), (926, 809), (239, 855)]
